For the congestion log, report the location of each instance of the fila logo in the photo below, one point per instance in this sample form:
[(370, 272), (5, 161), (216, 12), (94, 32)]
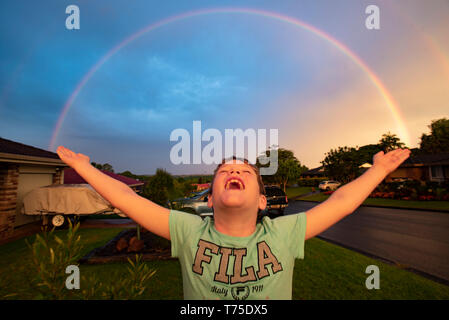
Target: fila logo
[(264, 256)]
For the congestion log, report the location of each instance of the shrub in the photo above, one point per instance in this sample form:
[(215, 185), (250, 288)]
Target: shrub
[(440, 193), (131, 286), (50, 257), (310, 182)]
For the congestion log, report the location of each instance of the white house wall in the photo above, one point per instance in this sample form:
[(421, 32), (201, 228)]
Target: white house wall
[(31, 177)]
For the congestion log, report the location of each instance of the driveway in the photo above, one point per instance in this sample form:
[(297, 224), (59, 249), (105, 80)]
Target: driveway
[(412, 238)]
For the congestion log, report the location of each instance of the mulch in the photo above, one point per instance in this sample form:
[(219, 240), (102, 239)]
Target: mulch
[(155, 248)]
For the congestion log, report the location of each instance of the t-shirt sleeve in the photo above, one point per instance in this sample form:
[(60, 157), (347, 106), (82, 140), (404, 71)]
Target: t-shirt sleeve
[(181, 226), (291, 229)]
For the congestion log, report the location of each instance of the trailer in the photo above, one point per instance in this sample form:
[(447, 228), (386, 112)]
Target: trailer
[(59, 202)]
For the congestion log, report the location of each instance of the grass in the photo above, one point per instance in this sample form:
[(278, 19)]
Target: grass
[(435, 205), (297, 191), (328, 272), (333, 272)]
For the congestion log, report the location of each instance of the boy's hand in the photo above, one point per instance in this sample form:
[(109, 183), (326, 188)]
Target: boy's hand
[(71, 158), (350, 196), (391, 160)]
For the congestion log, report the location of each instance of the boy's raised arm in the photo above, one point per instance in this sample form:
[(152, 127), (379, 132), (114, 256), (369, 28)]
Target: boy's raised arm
[(146, 213), (350, 196)]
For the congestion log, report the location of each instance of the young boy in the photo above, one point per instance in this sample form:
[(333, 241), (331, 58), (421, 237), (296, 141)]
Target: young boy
[(232, 256)]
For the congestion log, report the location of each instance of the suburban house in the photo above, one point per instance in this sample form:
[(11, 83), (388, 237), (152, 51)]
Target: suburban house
[(314, 173), (72, 177), (22, 169), (425, 167), (201, 186)]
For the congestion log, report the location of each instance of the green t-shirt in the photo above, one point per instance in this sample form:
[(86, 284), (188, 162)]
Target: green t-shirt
[(217, 266)]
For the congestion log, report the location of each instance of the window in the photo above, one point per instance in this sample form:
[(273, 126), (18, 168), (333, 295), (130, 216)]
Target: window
[(436, 172)]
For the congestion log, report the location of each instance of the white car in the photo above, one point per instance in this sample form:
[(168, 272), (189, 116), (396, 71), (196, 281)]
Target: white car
[(329, 185)]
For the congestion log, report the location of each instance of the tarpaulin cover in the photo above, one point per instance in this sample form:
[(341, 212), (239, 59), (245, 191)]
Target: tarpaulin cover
[(79, 199)]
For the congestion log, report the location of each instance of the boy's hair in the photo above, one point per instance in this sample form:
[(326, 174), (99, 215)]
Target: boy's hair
[(255, 168)]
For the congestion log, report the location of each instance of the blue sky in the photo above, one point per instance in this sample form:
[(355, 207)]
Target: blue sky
[(227, 70)]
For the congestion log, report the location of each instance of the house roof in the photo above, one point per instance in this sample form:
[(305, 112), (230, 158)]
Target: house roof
[(72, 177), (12, 151), (201, 185), (314, 171), (426, 159)]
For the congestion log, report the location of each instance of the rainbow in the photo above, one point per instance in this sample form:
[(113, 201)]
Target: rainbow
[(391, 104), (428, 40)]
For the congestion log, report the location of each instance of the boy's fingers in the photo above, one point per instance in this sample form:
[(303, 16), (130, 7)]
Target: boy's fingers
[(400, 157), (64, 152), (61, 149)]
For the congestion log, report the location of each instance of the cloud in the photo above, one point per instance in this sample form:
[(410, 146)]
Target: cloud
[(182, 89)]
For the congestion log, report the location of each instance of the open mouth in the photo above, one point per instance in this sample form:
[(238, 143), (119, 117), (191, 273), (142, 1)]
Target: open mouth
[(234, 183)]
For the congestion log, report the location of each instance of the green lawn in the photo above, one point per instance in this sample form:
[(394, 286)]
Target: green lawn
[(328, 272), (297, 191), (435, 205)]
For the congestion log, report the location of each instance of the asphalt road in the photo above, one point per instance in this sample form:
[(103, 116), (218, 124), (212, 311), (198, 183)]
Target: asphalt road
[(412, 238)]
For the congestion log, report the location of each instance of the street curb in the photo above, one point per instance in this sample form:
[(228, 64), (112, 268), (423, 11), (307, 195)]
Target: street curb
[(387, 207)]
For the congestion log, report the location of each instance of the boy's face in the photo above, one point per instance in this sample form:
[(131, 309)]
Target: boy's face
[(236, 186)]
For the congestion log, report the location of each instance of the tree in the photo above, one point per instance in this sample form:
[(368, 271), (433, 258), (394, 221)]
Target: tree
[(342, 164), (367, 152), (390, 142), (129, 174), (438, 139), (289, 168), (187, 188), (159, 186), (105, 167)]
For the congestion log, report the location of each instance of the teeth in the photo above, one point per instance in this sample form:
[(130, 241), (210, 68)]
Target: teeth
[(234, 181)]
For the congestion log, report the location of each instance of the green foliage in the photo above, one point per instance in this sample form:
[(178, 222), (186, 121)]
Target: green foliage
[(132, 285), (390, 142), (50, 257), (342, 164), (414, 189), (159, 187), (367, 152), (328, 272), (438, 139), (105, 167), (129, 174), (289, 168), (310, 182), (186, 188), (181, 189)]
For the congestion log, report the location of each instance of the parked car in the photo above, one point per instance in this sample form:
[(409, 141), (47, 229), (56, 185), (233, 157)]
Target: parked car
[(276, 201), (329, 185), (196, 204)]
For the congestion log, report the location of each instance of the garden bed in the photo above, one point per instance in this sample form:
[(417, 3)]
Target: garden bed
[(152, 248)]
